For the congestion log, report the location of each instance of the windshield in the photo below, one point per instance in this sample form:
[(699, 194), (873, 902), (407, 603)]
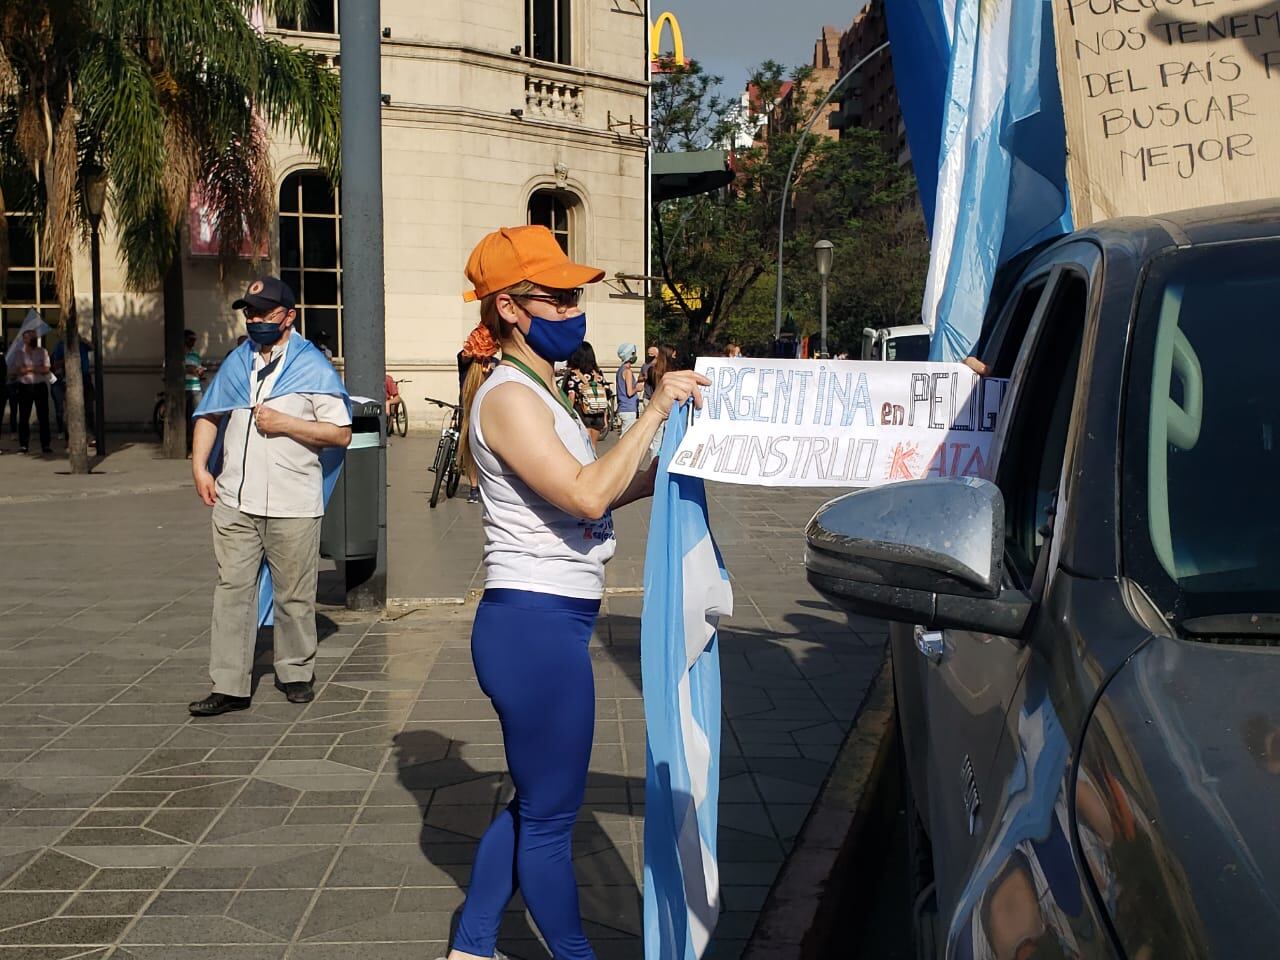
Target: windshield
[(907, 348), (1201, 460)]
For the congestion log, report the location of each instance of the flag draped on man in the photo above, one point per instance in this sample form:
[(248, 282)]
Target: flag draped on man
[(305, 370), (1002, 180), (686, 591)]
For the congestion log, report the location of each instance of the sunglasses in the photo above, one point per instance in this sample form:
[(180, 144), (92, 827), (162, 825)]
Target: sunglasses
[(254, 313), (562, 299)]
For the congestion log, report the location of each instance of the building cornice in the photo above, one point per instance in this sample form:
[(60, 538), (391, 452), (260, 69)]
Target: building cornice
[(400, 49), (464, 118)]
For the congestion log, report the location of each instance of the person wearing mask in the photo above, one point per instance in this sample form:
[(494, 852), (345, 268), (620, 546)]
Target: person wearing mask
[(548, 521), (29, 365), (276, 404), (585, 386), (628, 387)]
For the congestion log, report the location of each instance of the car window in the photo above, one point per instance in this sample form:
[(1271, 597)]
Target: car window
[(908, 348), (1202, 433), (1004, 341), (1036, 440)]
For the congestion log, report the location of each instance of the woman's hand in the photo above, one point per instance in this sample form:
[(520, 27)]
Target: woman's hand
[(677, 387)]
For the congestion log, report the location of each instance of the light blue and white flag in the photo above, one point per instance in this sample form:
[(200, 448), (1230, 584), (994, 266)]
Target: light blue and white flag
[(305, 370), (1002, 182), (686, 591), (920, 44)]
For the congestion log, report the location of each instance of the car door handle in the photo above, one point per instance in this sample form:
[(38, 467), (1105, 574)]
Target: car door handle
[(929, 643)]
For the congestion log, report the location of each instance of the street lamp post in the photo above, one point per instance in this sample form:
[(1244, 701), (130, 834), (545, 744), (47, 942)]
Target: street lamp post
[(825, 251), (95, 199), (786, 186)]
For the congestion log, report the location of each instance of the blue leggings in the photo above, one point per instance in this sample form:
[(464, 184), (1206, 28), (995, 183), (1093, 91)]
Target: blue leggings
[(531, 658)]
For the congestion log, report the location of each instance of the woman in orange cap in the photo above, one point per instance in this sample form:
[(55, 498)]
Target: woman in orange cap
[(548, 533)]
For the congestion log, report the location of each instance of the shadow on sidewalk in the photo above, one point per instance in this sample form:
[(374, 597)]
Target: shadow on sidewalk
[(427, 762)]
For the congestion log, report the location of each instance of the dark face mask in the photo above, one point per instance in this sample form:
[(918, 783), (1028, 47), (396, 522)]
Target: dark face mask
[(264, 334)]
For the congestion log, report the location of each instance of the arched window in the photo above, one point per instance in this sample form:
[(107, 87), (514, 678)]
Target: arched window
[(546, 30), (553, 209), (310, 254), (319, 16), (31, 281)]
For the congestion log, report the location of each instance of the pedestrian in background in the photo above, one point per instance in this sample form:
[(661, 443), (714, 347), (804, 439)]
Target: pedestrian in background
[(193, 380), (476, 360), (627, 387), (650, 355), (732, 351), (548, 527), (58, 389), (282, 403), (587, 390), (28, 363), (659, 368)]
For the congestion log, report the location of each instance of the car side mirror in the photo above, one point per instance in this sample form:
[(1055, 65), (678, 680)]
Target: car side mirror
[(928, 552)]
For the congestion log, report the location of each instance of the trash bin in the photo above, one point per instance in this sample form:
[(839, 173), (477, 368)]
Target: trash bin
[(349, 530)]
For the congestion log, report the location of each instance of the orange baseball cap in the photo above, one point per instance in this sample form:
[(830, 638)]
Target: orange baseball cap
[(512, 254)]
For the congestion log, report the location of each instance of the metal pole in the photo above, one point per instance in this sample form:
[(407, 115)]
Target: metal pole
[(363, 291), (825, 353), (99, 387), (786, 186)]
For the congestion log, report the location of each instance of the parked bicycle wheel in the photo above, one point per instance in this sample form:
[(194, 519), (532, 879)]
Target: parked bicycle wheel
[(454, 478), (444, 457), (401, 415)]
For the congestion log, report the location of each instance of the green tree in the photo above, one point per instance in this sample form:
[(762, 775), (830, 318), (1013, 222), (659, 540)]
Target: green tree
[(718, 253), (161, 98)]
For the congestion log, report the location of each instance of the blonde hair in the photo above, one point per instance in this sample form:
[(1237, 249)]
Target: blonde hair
[(477, 373)]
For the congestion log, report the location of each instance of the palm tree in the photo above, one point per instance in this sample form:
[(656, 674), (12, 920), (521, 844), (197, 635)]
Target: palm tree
[(163, 97)]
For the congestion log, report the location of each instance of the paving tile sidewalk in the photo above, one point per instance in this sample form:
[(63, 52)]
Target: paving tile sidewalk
[(346, 828)]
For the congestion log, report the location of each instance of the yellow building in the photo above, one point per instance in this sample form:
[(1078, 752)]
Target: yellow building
[(496, 112)]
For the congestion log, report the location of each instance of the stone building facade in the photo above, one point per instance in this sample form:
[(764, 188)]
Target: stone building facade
[(496, 112)]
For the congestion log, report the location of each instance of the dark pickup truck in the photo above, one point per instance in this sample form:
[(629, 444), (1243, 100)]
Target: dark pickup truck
[(1086, 651)]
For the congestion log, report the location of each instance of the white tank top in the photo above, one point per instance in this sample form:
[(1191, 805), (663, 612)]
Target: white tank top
[(528, 543)]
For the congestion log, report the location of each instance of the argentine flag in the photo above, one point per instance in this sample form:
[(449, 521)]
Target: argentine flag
[(920, 34), (686, 591), (1002, 180)]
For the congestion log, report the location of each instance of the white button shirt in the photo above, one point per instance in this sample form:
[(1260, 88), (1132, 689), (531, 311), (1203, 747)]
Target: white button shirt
[(275, 476)]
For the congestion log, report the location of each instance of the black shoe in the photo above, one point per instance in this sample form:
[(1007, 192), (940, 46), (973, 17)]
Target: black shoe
[(22, 449), (216, 703), (301, 691), (46, 451)]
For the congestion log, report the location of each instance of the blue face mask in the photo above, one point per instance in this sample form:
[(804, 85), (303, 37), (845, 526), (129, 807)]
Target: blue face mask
[(264, 334), (555, 340)]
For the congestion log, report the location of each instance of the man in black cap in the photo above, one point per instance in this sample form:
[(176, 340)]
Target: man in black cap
[(283, 407)]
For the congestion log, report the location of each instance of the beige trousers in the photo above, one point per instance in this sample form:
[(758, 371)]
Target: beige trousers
[(291, 546)]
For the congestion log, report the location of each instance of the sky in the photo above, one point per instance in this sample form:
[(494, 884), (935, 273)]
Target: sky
[(729, 37)]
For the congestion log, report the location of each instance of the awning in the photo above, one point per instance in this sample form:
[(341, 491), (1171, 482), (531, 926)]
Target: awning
[(686, 174)]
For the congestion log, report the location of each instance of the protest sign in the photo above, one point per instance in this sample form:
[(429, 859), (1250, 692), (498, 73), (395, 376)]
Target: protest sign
[(839, 423), (1169, 103)]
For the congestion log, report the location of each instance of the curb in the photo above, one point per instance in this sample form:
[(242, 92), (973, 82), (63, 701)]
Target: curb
[(803, 908)]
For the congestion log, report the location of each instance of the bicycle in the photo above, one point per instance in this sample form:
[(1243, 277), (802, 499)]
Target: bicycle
[(445, 464), (398, 415)]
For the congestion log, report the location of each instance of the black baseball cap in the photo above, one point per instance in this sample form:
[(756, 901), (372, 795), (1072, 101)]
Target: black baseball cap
[(266, 293)]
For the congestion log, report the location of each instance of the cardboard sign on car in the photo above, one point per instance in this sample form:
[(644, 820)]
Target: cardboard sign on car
[(1169, 105)]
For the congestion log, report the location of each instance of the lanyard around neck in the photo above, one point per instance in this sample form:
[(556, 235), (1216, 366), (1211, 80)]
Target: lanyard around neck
[(558, 394)]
